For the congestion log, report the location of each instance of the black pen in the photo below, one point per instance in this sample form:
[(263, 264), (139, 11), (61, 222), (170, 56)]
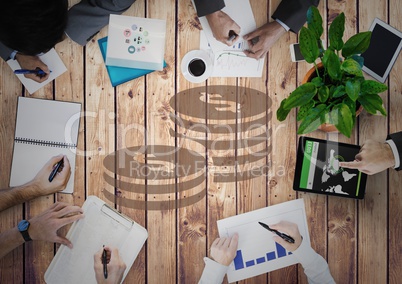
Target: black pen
[(282, 235), (104, 262), (56, 169)]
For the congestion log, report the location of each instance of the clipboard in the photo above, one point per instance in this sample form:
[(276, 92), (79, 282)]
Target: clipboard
[(102, 225)]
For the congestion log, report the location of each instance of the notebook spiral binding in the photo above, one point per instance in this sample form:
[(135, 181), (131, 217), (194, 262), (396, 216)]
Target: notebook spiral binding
[(45, 143)]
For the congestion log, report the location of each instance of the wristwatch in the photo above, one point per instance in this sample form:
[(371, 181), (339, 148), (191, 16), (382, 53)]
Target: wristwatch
[(23, 227)]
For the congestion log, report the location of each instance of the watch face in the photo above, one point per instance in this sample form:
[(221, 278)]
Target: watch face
[(23, 225)]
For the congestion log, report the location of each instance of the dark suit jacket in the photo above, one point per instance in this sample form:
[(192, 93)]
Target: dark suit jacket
[(291, 12), (85, 19), (397, 138)]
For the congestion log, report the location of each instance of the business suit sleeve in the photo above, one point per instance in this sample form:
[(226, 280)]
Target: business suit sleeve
[(205, 7), (293, 12), (86, 18), (397, 139), (5, 51)]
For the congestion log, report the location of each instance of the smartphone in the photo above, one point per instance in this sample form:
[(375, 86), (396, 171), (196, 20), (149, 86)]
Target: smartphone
[(295, 53)]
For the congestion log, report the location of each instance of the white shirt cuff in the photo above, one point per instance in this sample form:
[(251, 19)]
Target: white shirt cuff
[(13, 54), (283, 25), (395, 152), (213, 273)]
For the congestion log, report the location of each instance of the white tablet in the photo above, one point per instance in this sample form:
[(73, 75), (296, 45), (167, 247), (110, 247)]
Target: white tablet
[(385, 45)]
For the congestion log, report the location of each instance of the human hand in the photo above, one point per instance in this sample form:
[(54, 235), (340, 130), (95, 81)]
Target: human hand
[(44, 227), (221, 25), (373, 158), (41, 181), (292, 230), (261, 40), (31, 63), (115, 266), (223, 250)]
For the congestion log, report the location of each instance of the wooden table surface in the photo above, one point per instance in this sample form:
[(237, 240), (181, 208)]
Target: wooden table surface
[(360, 239)]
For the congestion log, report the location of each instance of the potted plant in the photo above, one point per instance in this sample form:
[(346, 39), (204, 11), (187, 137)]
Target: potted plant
[(338, 87)]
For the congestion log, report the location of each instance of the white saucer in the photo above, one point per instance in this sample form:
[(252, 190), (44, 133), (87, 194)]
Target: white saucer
[(193, 54)]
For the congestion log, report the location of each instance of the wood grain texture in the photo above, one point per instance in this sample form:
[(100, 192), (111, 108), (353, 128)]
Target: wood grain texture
[(283, 152), (160, 87), (316, 205), (342, 214), (168, 114), (130, 133), (191, 220), (395, 178), (11, 265), (372, 211)]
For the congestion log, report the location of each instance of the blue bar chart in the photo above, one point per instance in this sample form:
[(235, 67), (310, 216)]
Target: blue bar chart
[(240, 263)]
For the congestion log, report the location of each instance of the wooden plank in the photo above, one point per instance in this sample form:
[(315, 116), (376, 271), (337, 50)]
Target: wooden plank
[(316, 204), (99, 119), (254, 134), (373, 260), (70, 87), (130, 132), (162, 221), (342, 217), (281, 82), (38, 254), (11, 265), (395, 178), (221, 123), (186, 106)]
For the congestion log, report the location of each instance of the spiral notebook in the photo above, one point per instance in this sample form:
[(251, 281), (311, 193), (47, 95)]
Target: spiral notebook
[(44, 128), (102, 225)]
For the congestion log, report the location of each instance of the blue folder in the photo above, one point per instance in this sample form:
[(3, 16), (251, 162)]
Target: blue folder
[(120, 75)]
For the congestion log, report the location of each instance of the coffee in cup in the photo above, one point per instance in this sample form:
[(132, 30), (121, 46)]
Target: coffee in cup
[(197, 67)]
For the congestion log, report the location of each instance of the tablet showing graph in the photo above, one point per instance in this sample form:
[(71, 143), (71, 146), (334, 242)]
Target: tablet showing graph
[(257, 252)]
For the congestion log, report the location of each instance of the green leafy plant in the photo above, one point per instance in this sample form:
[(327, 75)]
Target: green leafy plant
[(339, 87)]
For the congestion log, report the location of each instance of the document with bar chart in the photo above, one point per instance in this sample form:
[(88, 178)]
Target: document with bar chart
[(257, 253)]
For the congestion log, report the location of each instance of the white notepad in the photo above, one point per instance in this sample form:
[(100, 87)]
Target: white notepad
[(52, 60), (102, 225), (44, 129)]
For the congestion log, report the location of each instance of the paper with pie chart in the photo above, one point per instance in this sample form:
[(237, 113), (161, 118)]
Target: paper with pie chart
[(257, 252)]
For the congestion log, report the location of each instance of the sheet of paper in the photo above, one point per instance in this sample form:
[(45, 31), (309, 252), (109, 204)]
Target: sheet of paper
[(257, 253), (52, 60), (240, 11), (232, 62), (101, 226), (44, 129)]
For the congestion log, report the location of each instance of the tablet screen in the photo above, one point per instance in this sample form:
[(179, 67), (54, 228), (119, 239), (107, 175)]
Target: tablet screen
[(318, 170), (385, 45)]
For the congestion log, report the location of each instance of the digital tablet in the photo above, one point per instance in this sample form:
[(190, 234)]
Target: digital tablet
[(318, 171), (385, 45)]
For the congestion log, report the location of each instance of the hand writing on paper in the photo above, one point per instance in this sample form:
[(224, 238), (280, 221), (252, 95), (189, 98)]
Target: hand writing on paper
[(115, 266), (221, 25), (223, 250), (31, 63), (290, 229), (41, 182), (262, 39), (374, 157)]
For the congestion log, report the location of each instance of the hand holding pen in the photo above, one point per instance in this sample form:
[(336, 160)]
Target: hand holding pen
[(59, 175), (109, 266), (32, 67), (286, 234)]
